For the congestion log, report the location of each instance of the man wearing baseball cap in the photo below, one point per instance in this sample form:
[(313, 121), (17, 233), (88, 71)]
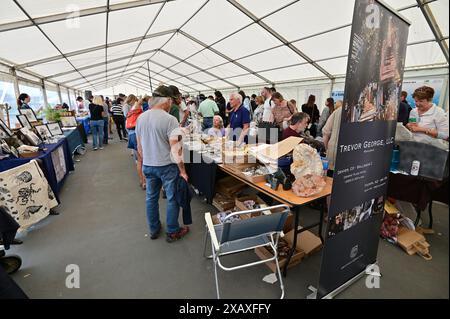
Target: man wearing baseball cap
[(157, 134), (178, 108)]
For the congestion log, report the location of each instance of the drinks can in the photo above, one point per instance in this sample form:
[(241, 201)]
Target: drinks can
[(412, 120), (415, 168)]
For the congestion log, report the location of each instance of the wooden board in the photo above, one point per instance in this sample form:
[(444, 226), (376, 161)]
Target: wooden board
[(285, 197)]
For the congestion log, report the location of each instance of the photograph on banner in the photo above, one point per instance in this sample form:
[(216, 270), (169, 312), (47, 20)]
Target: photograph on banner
[(352, 217), (377, 62)]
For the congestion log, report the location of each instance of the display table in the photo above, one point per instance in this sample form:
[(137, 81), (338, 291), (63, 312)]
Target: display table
[(85, 121), (418, 191), (290, 199), (74, 139), (201, 175), (55, 170)]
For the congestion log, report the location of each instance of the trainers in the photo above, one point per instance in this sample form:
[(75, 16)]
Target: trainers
[(95, 148), (178, 235), (101, 148), (155, 234)]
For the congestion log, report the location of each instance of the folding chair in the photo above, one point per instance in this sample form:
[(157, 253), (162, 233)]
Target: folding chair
[(243, 235)]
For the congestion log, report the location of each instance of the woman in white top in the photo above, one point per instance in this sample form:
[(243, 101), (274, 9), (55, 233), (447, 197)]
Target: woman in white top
[(427, 121), (330, 134), (259, 111)]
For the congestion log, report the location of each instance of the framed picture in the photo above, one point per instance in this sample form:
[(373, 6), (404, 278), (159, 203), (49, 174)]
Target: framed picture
[(14, 152), (55, 129), (3, 133), (32, 138), (68, 121), (5, 128), (43, 132), (24, 122), (29, 113)]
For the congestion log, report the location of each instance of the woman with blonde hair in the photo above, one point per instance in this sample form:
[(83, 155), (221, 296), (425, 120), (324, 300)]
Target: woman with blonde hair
[(129, 103), (97, 122), (259, 110)]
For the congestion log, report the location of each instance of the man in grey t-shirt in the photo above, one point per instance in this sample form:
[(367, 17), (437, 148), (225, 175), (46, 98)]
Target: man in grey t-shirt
[(158, 139)]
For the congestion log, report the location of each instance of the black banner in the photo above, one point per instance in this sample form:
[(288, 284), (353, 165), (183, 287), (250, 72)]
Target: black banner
[(368, 121)]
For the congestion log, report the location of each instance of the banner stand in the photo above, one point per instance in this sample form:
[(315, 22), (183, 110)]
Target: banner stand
[(338, 290)]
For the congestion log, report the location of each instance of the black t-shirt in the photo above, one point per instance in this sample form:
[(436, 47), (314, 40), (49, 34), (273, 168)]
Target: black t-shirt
[(403, 112), (313, 112), (96, 112)]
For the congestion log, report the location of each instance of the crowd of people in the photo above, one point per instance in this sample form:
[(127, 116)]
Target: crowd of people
[(152, 126)]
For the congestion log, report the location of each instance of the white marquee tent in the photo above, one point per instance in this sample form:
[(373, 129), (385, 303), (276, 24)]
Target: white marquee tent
[(55, 49)]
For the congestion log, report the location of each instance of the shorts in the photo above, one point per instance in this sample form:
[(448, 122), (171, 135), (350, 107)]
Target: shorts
[(132, 141)]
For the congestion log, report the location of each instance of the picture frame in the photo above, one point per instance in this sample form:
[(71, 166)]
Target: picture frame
[(29, 113), (11, 150), (3, 133), (43, 132), (68, 121), (6, 128), (24, 122), (31, 137), (55, 129), (14, 152)]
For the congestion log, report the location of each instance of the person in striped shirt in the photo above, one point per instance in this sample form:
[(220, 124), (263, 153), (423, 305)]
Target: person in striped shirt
[(119, 119)]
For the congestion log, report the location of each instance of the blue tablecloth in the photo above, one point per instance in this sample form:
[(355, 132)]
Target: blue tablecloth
[(86, 123), (46, 163), (73, 139)]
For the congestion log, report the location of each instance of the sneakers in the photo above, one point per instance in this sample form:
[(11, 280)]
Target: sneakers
[(101, 148), (95, 148), (178, 235), (155, 235)]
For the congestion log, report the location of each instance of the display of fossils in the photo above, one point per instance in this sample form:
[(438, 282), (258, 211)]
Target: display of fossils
[(306, 161), (255, 171), (308, 185)]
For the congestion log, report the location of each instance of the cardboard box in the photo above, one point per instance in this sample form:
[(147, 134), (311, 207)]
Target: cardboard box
[(306, 241), (264, 253), (222, 202), (239, 168), (229, 186), (29, 154), (413, 242), (239, 203), (269, 154)]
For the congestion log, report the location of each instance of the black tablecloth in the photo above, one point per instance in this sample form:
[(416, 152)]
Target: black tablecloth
[(417, 190), (201, 175)]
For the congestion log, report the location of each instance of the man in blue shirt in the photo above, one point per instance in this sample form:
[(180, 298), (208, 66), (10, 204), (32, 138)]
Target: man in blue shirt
[(239, 119)]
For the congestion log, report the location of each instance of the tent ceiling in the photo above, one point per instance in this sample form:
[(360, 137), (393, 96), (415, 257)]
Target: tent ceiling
[(199, 44)]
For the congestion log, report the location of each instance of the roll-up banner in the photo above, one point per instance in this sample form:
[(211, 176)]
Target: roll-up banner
[(368, 120)]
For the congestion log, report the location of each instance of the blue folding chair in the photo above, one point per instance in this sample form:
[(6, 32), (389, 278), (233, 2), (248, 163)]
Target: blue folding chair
[(246, 234)]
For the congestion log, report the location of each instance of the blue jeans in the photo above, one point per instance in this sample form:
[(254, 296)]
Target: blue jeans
[(207, 123), (156, 177), (97, 133)]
